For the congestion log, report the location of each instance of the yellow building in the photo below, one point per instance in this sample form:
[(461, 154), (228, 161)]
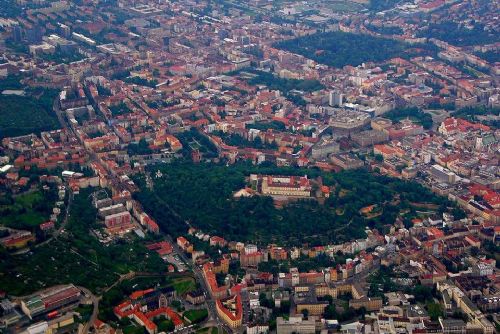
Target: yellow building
[(221, 266), (314, 308), (286, 186), (370, 304), (230, 310)]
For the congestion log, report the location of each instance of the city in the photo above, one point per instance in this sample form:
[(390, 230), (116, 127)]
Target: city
[(262, 166)]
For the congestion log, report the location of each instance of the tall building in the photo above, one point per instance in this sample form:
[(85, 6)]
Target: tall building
[(335, 98), (34, 34), (17, 33)]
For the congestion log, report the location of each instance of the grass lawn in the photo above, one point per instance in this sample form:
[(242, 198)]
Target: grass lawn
[(184, 285), (133, 329), (27, 211), (196, 316)]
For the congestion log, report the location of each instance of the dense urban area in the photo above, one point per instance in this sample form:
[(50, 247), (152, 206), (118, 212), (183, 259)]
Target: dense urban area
[(258, 166)]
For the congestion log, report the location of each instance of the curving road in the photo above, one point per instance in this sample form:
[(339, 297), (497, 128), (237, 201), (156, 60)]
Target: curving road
[(95, 311)]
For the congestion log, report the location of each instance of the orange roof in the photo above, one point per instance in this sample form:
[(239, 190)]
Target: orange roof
[(238, 312), (140, 293), (147, 323)]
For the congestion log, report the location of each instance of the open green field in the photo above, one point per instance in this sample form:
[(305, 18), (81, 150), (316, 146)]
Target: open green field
[(196, 316), (28, 210), (184, 285)]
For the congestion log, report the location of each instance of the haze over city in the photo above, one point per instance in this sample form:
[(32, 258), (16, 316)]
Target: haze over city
[(260, 166)]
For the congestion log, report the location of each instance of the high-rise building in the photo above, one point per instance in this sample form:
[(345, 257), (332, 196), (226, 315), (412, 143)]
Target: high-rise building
[(17, 33), (335, 98)]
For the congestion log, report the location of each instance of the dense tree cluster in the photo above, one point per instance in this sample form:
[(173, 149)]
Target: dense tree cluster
[(473, 114), (201, 195), (339, 49), (119, 109), (140, 148), (235, 139), (412, 113), (386, 30), (195, 139), (32, 112), (141, 81), (284, 85), (263, 126), (456, 34), (490, 56), (27, 211), (380, 5)]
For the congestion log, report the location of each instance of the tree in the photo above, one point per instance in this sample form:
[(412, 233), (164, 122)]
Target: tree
[(265, 302), (474, 251), (435, 311), (422, 293), (331, 312)]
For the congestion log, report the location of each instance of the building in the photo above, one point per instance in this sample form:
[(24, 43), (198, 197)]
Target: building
[(335, 98), (221, 266), (370, 304), (346, 121), (324, 147), (257, 329), (18, 239), (184, 244), (196, 297), (452, 326), (118, 221), (50, 300), (252, 259), (346, 160), (314, 307), (296, 186), (296, 325), (442, 174), (370, 137), (250, 249), (111, 210), (230, 310), (380, 124)]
